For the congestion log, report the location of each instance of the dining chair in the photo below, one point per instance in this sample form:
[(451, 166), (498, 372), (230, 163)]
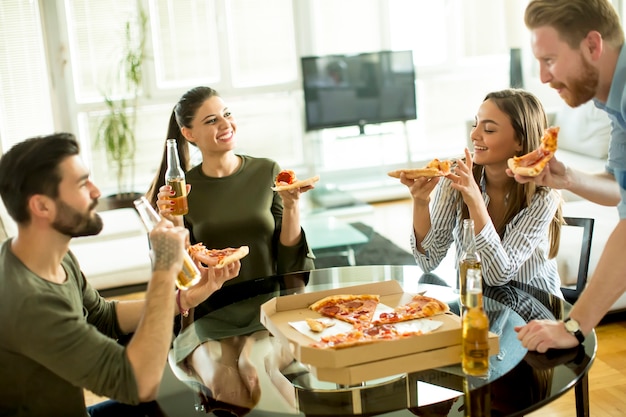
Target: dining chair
[(572, 292)]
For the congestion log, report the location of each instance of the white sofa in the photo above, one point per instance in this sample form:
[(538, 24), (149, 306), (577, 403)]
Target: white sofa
[(114, 261)]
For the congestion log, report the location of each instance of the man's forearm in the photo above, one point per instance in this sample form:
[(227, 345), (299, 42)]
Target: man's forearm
[(148, 349), (606, 285), (598, 188)]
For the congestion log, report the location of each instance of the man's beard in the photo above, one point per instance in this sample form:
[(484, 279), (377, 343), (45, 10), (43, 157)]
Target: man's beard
[(582, 89), (73, 223)]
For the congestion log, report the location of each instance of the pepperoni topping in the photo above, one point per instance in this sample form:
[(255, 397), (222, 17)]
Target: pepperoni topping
[(287, 176)]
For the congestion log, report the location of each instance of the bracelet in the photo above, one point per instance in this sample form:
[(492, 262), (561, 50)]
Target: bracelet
[(184, 313)]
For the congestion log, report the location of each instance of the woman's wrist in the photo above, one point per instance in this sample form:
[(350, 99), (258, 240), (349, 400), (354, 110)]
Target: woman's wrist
[(183, 308)]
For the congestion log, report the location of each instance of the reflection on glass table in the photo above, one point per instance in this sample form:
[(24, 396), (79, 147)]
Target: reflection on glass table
[(240, 369)]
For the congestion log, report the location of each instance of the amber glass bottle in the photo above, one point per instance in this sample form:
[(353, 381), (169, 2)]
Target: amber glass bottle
[(175, 178), (475, 327), (470, 260)]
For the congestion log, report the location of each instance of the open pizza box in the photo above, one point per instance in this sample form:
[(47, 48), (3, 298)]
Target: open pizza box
[(356, 364)]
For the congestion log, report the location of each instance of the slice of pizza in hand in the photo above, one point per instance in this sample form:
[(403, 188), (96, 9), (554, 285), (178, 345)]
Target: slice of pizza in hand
[(355, 309), (286, 180), (419, 307), (531, 164), (218, 258), (435, 168)]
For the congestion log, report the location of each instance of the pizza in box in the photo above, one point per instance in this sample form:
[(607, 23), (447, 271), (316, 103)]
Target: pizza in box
[(365, 323)]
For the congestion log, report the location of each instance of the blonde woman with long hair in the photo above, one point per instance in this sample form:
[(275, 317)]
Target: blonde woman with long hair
[(517, 226)]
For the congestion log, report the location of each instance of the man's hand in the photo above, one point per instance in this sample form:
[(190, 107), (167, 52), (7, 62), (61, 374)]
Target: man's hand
[(541, 335), (168, 243), (554, 175)]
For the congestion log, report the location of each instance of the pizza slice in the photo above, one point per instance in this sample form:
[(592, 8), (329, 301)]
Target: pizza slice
[(223, 257), (531, 164), (435, 168), (355, 309), (419, 307), (286, 180), (318, 326), (363, 336)]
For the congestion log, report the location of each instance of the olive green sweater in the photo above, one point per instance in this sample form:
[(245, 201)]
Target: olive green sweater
[(56, 339), (241, 209)]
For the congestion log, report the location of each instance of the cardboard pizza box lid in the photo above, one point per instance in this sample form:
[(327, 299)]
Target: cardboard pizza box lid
[(279, 311)]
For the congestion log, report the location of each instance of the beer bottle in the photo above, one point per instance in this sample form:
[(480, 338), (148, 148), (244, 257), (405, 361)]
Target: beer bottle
[(189, 274), (477, 395), (470, 260), (475, 327), (175, 178)]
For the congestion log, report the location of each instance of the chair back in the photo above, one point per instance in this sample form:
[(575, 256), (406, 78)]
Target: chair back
[(572, 292)]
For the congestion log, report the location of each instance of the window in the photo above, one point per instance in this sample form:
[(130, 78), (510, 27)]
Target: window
[(25, 101)]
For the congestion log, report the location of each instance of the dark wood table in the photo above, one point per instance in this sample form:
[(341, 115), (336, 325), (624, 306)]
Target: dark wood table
[(519, 381)]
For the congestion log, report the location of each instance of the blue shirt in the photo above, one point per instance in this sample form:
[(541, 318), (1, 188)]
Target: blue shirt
[(615, 107)]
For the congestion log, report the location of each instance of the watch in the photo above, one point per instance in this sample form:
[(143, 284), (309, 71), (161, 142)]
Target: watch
[(573, 327)]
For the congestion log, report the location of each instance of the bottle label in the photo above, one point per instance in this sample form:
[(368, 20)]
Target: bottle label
[(180, 206)]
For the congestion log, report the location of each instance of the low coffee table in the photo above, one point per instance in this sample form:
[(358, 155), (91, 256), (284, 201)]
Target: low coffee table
[(330, 236)]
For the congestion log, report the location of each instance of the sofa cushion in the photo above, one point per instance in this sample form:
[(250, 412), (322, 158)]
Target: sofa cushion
[(119, 255), (585, 130), (116, 257)]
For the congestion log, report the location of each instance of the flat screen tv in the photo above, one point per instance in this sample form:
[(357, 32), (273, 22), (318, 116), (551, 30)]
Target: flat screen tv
[(359, 89)]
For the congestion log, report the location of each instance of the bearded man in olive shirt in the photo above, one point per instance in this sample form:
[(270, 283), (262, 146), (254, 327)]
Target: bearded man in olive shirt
[(58, 334)]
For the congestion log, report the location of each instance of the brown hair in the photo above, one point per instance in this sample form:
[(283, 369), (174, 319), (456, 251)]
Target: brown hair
[(574, 19), (529, 121), (182, 116), (32, 167)]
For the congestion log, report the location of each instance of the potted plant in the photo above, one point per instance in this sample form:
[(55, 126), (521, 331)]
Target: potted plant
[(116, 130)]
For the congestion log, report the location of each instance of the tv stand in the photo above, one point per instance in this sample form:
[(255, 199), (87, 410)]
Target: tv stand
[(362, 127)]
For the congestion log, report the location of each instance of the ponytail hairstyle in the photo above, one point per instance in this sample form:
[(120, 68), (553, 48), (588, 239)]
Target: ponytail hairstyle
[(183, 114)]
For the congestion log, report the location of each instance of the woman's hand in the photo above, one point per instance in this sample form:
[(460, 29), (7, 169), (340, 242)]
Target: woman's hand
[(164, 203), (463, 180), (211, 280), (291, 197), (420, 188)]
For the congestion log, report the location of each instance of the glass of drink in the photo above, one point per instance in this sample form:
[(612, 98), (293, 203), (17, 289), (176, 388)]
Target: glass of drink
[(189, 274)]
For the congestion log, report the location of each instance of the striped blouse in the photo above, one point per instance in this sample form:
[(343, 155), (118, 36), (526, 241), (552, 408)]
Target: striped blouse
[(521, 255)]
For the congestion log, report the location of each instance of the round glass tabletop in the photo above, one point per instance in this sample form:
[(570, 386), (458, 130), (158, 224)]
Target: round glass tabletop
[(242, 369)]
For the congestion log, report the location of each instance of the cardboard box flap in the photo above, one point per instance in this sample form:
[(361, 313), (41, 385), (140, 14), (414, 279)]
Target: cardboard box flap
[(297, 301)]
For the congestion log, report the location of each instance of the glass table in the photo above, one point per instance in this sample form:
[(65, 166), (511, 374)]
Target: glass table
[(247, 372)]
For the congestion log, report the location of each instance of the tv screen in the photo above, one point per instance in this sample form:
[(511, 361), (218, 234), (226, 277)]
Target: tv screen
[(347, 90)]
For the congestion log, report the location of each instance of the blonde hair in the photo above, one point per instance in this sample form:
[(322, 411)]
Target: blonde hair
[(574, 19), (529, 121)]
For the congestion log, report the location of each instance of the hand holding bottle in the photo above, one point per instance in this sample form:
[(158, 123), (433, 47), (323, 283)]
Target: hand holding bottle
[(166, 204), (175, 178), (189, 274)]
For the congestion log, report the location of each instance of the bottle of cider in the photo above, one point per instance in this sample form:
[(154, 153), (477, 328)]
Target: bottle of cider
[(475, 327), (469, 258), (189, 274), (175, 178)]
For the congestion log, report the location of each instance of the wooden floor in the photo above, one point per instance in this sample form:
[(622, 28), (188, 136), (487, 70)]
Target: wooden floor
[(607, 378)]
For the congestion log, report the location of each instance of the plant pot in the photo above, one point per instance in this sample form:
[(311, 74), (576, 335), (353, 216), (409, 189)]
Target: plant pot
[(116, 201)]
